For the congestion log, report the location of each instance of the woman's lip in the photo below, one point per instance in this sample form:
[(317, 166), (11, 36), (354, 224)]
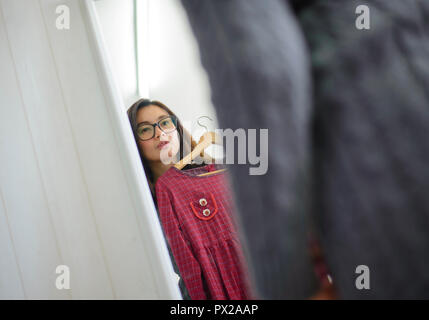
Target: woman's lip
[(162, 144)]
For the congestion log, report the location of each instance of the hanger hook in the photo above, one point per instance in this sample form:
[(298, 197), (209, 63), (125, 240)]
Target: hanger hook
[(198, 121)]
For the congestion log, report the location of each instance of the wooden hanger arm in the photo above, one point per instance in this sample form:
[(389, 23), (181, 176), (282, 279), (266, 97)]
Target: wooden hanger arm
[(186, 160), (211, 172), (206, 140)]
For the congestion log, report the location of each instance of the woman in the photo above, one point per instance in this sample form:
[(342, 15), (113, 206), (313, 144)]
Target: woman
[(161, 141), (160, 137)]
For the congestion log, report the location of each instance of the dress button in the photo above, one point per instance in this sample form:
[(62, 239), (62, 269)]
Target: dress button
[(203, 202), (206, 212)]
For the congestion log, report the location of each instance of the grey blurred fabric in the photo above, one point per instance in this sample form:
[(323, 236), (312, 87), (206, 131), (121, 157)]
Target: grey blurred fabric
[(371, 132), (348, 118), (260, 78)]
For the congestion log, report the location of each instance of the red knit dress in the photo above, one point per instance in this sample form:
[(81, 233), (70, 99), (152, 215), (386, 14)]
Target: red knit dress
[(196, 214)]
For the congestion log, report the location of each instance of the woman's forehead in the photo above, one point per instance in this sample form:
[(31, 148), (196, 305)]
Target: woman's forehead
[(150, 114)]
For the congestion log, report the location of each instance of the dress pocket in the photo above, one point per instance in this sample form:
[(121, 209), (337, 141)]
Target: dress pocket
[(205, 206)]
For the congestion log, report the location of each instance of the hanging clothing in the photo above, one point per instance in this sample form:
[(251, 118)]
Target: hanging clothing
[(196, 214), (182, 286)]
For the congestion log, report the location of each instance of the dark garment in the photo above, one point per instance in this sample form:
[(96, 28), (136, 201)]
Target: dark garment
[(260, 78), (183, 290), (371, 143), (356, 159)]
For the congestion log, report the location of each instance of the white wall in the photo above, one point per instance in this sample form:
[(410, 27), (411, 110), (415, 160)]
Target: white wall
[(117, 23), (71, 190), (169, 59), (177, 77)]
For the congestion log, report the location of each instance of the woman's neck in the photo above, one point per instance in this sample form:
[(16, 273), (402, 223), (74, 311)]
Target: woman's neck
[(158, 169)]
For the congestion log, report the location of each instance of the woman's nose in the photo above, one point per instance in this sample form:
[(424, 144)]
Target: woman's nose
[(158, 132)]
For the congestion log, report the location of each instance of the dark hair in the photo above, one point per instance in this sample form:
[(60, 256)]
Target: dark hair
[(186, 142)]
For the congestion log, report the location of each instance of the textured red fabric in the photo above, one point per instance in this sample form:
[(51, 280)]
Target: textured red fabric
[(206, 248)]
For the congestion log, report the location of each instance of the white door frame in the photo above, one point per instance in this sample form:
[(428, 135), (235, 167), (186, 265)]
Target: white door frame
[(155, 241)]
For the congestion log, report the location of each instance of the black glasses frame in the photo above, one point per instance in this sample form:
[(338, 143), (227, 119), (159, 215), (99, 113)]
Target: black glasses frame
[(156, 124)]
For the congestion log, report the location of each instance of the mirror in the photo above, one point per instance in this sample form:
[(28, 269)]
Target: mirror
[(155, 64)]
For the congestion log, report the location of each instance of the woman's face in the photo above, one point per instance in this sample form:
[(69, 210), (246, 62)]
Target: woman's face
[(163, 146)]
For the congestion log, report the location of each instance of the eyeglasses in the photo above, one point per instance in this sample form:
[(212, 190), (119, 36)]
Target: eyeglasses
[(146, 131)]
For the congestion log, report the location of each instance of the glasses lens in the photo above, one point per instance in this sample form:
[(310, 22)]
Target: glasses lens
[(145, 132), (168, 124)]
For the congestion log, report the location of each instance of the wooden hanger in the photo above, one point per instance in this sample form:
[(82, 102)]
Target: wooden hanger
[(210, 173), (206, 140)]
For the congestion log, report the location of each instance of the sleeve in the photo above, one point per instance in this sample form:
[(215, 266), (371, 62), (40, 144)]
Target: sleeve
[(189, 267), (182, 286)]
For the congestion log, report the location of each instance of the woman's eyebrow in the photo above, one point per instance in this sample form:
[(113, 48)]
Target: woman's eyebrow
[(160, 117)]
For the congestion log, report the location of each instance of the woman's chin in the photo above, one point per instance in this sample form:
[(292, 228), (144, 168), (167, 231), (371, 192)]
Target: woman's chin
[(166, 156)]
